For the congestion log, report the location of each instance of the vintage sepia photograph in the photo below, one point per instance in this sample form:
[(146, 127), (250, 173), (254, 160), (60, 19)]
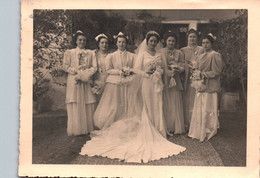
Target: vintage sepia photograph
[(90, 105), (142, 88)]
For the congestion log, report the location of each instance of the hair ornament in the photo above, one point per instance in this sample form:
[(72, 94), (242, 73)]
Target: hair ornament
[(120, 34), (152, 33), (79, 31), (101, 35), (212, 36)]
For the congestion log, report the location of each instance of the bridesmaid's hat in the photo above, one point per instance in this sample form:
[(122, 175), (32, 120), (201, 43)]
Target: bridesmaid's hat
[(120, 34), (102, 35), (79, 32), (211, 37)]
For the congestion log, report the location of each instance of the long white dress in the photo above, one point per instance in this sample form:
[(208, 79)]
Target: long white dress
[(140, 137)]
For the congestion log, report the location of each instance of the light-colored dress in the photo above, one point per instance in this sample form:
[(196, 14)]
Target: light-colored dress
[(101, 74), (204, 121), (172, 93), (138, 137), (80, 100), (113, 103), (152, 91), (190, 54)]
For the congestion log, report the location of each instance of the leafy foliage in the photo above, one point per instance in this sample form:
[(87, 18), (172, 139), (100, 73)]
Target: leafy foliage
[(51, 39), (232, 44)]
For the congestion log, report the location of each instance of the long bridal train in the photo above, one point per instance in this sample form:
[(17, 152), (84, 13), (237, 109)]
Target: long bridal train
[(138, 137), (131, 140)]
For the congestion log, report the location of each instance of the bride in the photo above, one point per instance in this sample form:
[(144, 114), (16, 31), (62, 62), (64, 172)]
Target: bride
[(141, 136)]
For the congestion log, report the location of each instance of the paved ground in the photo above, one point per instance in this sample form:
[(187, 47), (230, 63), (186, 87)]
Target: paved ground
[(51, 145), (230, 141)]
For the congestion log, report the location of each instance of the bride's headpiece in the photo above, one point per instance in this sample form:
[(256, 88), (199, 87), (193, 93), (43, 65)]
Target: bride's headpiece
[(152, 33), (120, 34), (101, 35), (143, 46)]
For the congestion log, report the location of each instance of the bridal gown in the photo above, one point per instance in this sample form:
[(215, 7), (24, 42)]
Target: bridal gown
[(140, 137)]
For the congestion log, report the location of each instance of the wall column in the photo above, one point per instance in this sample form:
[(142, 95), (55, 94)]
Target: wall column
[(193, 24)]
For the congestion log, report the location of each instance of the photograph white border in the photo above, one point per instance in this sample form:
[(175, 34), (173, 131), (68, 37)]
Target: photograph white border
[(26, 168)]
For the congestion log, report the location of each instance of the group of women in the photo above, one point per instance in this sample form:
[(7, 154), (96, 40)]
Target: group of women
[(129, 103)]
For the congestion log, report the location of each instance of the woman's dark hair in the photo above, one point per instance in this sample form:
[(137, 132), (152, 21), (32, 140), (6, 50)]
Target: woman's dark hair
[(193, 31), (121, 36), (210, 38), (149, 35), (75, 36), (99, 39), (170, 34)]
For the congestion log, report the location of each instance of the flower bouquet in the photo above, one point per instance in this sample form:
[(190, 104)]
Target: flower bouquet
[(154, 70), (126, 75), (126, 72), (97, 87), (80, 74), (173, 68), (82, 69), (198, 79), (150, 68), (84, 74)]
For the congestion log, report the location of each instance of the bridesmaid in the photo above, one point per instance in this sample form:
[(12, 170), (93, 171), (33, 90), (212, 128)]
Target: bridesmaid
[(101, 74), (113, 103), (172, 94), (204, 121), (190, 53), (80, 101)]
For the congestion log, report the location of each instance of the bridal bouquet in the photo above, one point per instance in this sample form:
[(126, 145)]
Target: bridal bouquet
[(151, 67), (154, 70)]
